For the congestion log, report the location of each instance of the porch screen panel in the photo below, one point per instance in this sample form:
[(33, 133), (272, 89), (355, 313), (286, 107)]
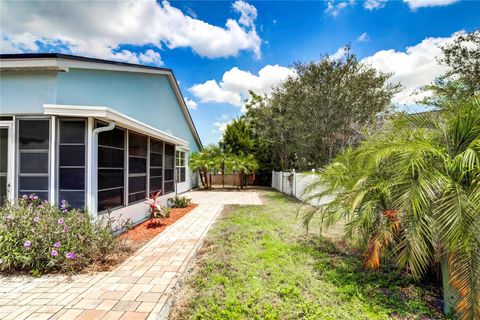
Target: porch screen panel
[(169, 168), (156, 165), (72, 161), (111, 153), (33, 148), (3, 164), (137, 167)]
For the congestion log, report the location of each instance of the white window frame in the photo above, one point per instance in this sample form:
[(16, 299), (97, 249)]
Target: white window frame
[(57, 160), (51, 155), (11, 145), (179, 165)]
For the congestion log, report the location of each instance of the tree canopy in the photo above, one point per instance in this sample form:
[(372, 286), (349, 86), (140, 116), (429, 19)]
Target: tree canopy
[(462, 80), (312, 116)]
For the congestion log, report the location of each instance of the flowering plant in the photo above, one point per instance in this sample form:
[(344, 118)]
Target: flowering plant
[(155, 207), (38, 237)]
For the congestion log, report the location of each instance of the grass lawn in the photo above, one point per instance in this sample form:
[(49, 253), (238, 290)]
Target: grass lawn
[(258, 263)]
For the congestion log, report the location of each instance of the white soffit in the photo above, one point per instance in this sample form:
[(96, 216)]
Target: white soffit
[(108, 114)]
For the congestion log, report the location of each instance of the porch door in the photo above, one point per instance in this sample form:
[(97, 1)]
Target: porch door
[(4, 152)]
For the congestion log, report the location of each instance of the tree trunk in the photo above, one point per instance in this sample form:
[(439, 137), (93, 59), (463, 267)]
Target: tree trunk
[(210, 180), (201, 178), (205, 177), (241, 179), (450, 295), (223, 177)]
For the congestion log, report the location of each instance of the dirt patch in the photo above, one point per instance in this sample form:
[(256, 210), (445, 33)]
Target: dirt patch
[(147, 230)]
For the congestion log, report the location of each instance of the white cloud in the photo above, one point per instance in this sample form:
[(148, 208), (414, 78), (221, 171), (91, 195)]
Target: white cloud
[(191, 104), (235, 84), (248, 13), (220, 126), (335, 7), (374, 4), (338, 54), (363, 37), (98, 29), (413, 68), (415, 4)]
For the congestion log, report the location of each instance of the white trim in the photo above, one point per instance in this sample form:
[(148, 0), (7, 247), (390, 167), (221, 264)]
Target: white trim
[(183, 148), (91, 177), (108, 114), (53, 161), (63, 65), (93, 65), (10, 125), (47, 64)]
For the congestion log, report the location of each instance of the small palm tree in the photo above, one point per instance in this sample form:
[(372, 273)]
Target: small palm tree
[(414, 193), (244, 165), (199, 161)]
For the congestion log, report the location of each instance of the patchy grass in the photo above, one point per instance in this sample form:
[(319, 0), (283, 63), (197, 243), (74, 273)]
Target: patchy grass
[(258, 263)]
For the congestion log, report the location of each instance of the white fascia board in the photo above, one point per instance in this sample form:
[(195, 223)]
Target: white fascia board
[(51, 64), (108, 114), (183, 148), (67, 63)]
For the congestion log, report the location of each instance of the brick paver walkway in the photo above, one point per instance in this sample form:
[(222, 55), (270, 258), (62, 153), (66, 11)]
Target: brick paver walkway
[(137, 289)]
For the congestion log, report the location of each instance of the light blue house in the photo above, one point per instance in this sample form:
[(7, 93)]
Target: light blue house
[(99, 134)]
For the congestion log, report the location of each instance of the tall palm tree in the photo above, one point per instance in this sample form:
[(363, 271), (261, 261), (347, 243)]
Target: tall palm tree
[(223, 162), (414, 193)]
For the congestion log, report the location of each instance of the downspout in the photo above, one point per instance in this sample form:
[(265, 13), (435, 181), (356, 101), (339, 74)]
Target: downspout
[(94, 165)]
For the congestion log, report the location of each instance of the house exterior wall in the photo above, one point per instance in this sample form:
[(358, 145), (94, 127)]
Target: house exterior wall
[(147, 98), (26, 92)]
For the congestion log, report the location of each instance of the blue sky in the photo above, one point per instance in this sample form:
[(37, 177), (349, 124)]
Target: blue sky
[(218, 50)]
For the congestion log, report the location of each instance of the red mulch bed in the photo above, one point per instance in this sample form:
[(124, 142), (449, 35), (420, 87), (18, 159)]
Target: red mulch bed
[(147, 230)]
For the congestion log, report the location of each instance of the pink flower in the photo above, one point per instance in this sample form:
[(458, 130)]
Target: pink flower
[(71, 255), (36, 219), (57, 244), (66, 229), (54, 253), (60, 221), (27, 244)]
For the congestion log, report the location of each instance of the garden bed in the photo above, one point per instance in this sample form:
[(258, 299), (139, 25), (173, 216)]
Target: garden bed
[(148, 229)]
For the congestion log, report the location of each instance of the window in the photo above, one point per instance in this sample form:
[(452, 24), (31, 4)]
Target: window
[(71, 171), (156, 165), (169, 168), (180, 163), (137, 167), (33, 148), (111, 159)]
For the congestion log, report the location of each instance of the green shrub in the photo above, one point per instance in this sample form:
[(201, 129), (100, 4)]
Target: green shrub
[(38, 237), (181, 202)]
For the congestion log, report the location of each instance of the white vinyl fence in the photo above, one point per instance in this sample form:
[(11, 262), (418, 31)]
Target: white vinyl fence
[(294, 184)]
